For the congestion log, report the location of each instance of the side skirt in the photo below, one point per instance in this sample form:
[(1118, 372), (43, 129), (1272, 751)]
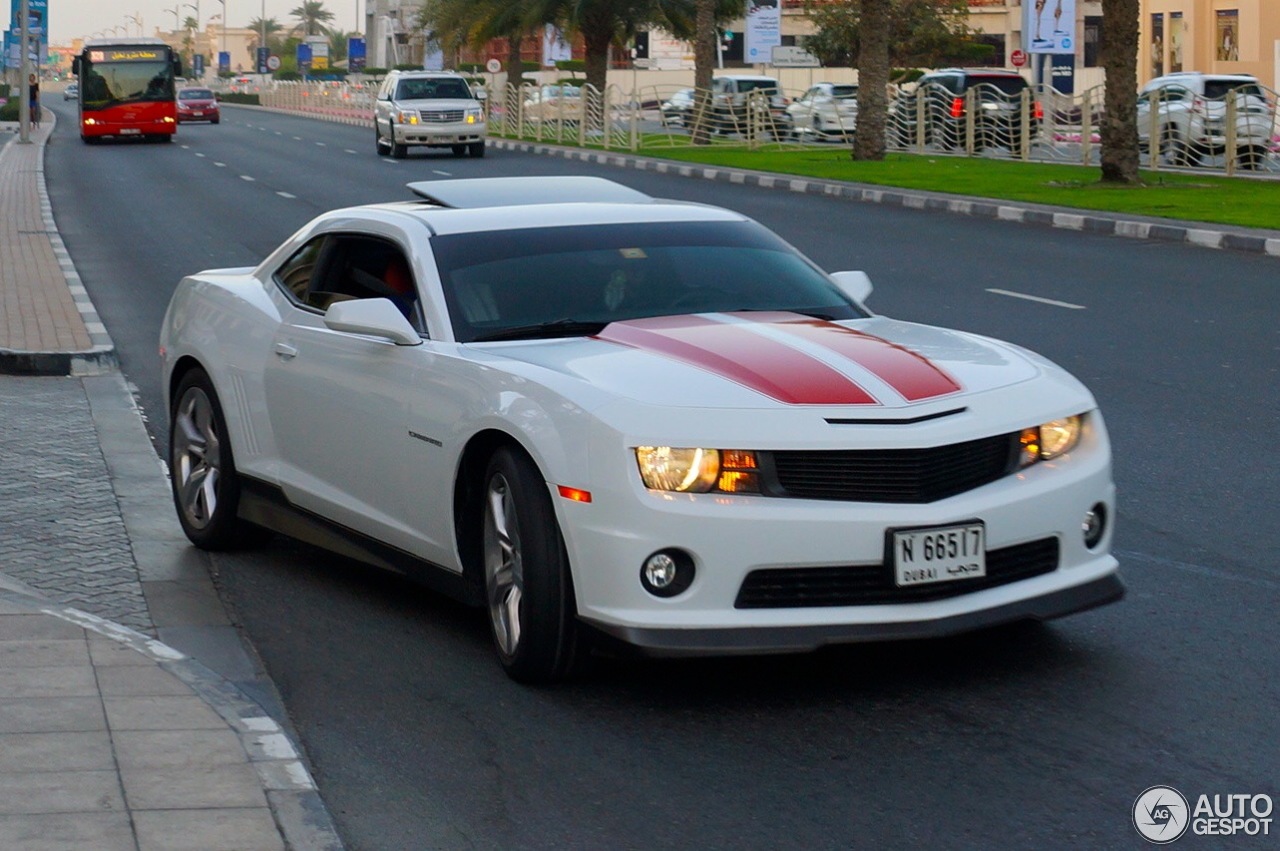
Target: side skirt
[(266, 505)]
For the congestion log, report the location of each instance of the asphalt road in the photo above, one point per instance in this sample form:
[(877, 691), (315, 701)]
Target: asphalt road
[(1016, 737)]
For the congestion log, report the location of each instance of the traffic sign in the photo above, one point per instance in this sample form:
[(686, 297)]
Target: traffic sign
[(493, 66), (273, 62), (1018, 58)]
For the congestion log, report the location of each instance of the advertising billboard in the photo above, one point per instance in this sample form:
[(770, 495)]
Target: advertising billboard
[(764, 31), (1049, 26)]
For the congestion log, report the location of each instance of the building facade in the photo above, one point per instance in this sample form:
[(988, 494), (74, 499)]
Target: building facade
[(1214, 36)]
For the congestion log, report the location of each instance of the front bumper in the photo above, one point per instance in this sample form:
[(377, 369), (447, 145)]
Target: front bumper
[(727, 538), (796, 639), (439, 135)]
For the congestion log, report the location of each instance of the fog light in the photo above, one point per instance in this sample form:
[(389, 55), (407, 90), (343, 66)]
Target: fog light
[(1094, 525), (667, 573)]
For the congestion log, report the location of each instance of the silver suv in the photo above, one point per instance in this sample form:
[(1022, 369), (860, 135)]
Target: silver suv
[(432, 109), (1190, 114)]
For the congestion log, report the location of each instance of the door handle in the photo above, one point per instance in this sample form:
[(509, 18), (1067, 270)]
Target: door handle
[(286, 351)]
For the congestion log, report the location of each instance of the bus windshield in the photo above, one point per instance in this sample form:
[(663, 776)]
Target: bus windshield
[(110, 77)]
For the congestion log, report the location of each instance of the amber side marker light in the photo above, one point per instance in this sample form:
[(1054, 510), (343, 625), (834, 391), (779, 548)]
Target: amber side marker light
[(575, 494)]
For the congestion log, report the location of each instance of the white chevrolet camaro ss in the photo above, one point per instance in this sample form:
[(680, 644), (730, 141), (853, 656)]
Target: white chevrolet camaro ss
[(614, 420)]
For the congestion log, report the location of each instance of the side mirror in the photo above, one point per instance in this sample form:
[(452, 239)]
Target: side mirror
[(856, 285), (376, 317)]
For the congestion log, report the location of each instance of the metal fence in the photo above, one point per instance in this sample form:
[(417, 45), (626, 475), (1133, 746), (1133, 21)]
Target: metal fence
[(1225, 134)]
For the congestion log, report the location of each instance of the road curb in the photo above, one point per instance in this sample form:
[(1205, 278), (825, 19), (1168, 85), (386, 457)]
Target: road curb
[(1205, 236)]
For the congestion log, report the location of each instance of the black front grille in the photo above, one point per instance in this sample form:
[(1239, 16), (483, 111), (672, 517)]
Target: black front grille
[(869, 584), (894, 475)]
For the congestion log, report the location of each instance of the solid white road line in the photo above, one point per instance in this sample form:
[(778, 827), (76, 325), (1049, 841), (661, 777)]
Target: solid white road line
[(1011, 294)]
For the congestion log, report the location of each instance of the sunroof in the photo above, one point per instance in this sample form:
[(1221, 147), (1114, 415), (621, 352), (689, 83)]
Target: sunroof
[(515, 191)]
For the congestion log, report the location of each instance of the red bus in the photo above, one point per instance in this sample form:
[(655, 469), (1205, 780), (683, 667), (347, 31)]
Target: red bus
[(126, 89)]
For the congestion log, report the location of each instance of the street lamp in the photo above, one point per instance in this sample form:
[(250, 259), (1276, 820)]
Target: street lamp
[(224, 25), (137, 19)]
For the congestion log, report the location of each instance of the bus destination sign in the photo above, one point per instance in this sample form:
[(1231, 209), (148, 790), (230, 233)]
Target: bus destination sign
[(126, 55)]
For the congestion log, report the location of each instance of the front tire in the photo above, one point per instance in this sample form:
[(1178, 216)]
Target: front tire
[(476, 149), (202, 469), (528, 587)]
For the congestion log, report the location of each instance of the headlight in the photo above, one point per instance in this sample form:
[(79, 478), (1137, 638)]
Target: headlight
[(667, 468), (474, 116), (1050, 440), (405, 116)]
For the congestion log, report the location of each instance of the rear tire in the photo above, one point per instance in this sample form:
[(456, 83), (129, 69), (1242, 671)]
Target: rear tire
[(528, 587), (459, 150), (476, 149), (202, 469)]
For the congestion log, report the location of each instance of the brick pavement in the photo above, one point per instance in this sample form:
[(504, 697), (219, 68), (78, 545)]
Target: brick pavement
[(47, 322), (113, 733)]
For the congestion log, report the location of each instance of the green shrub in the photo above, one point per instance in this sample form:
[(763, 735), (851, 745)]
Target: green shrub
[(9, 111), (288, 75), (240, 97)]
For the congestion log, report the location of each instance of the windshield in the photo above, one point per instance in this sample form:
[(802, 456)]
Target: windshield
[(580, 275), (121, 82), (195, 94), (432, 89), (752, 85), (844, 91)]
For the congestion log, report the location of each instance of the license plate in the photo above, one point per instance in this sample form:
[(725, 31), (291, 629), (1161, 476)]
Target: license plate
[(198, 114), (939, 554), (130, 131)]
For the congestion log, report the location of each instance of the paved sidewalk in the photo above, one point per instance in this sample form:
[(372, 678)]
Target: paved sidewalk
[(131, 715)]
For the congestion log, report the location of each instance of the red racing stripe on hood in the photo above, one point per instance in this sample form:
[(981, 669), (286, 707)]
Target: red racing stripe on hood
[(912, 375), (734, 352)]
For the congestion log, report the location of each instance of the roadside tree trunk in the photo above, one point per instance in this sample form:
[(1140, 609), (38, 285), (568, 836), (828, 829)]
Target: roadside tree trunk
[(1119, 54), (515, 64), (873, 80), (704, 60)]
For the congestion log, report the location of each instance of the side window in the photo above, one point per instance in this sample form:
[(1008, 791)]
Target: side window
[(295, 275), (343, 267)]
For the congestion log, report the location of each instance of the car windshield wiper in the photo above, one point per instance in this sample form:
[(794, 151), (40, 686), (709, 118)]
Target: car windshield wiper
[(543, 330)]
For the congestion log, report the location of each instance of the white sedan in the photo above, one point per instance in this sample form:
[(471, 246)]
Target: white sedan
[(599, 414)]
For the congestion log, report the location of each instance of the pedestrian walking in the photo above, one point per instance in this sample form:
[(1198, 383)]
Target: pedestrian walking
[(33, 98)]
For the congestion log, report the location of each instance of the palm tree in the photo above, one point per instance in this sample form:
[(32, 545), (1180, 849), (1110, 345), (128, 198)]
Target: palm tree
[(476, 22), (1120, 117), (312, 18), (604, 23), (261, 26)]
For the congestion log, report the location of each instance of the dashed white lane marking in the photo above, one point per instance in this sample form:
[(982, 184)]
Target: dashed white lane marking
[(349, 151), (286, 195), (321, 145), (278, 133), (1053, 302), (445, 173), (185, 147), (221, 165), (246, 177), (198, 154), (297, 138)]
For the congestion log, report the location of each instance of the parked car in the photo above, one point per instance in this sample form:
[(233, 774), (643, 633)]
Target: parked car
[(1004, 110), (560, 102), (1189, 114), (826, 110), (593, 413), (71, 92), (744, 103), (677, 108), (198, 104), (432, 109)]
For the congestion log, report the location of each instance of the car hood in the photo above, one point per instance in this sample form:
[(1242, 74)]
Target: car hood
[(782, 360), (436, 104)]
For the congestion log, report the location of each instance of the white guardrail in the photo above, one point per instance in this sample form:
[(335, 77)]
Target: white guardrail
[(1228, 134)]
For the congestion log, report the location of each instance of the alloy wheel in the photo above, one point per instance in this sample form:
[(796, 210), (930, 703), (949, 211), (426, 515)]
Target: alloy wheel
[(197, 458), (503, 564)]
